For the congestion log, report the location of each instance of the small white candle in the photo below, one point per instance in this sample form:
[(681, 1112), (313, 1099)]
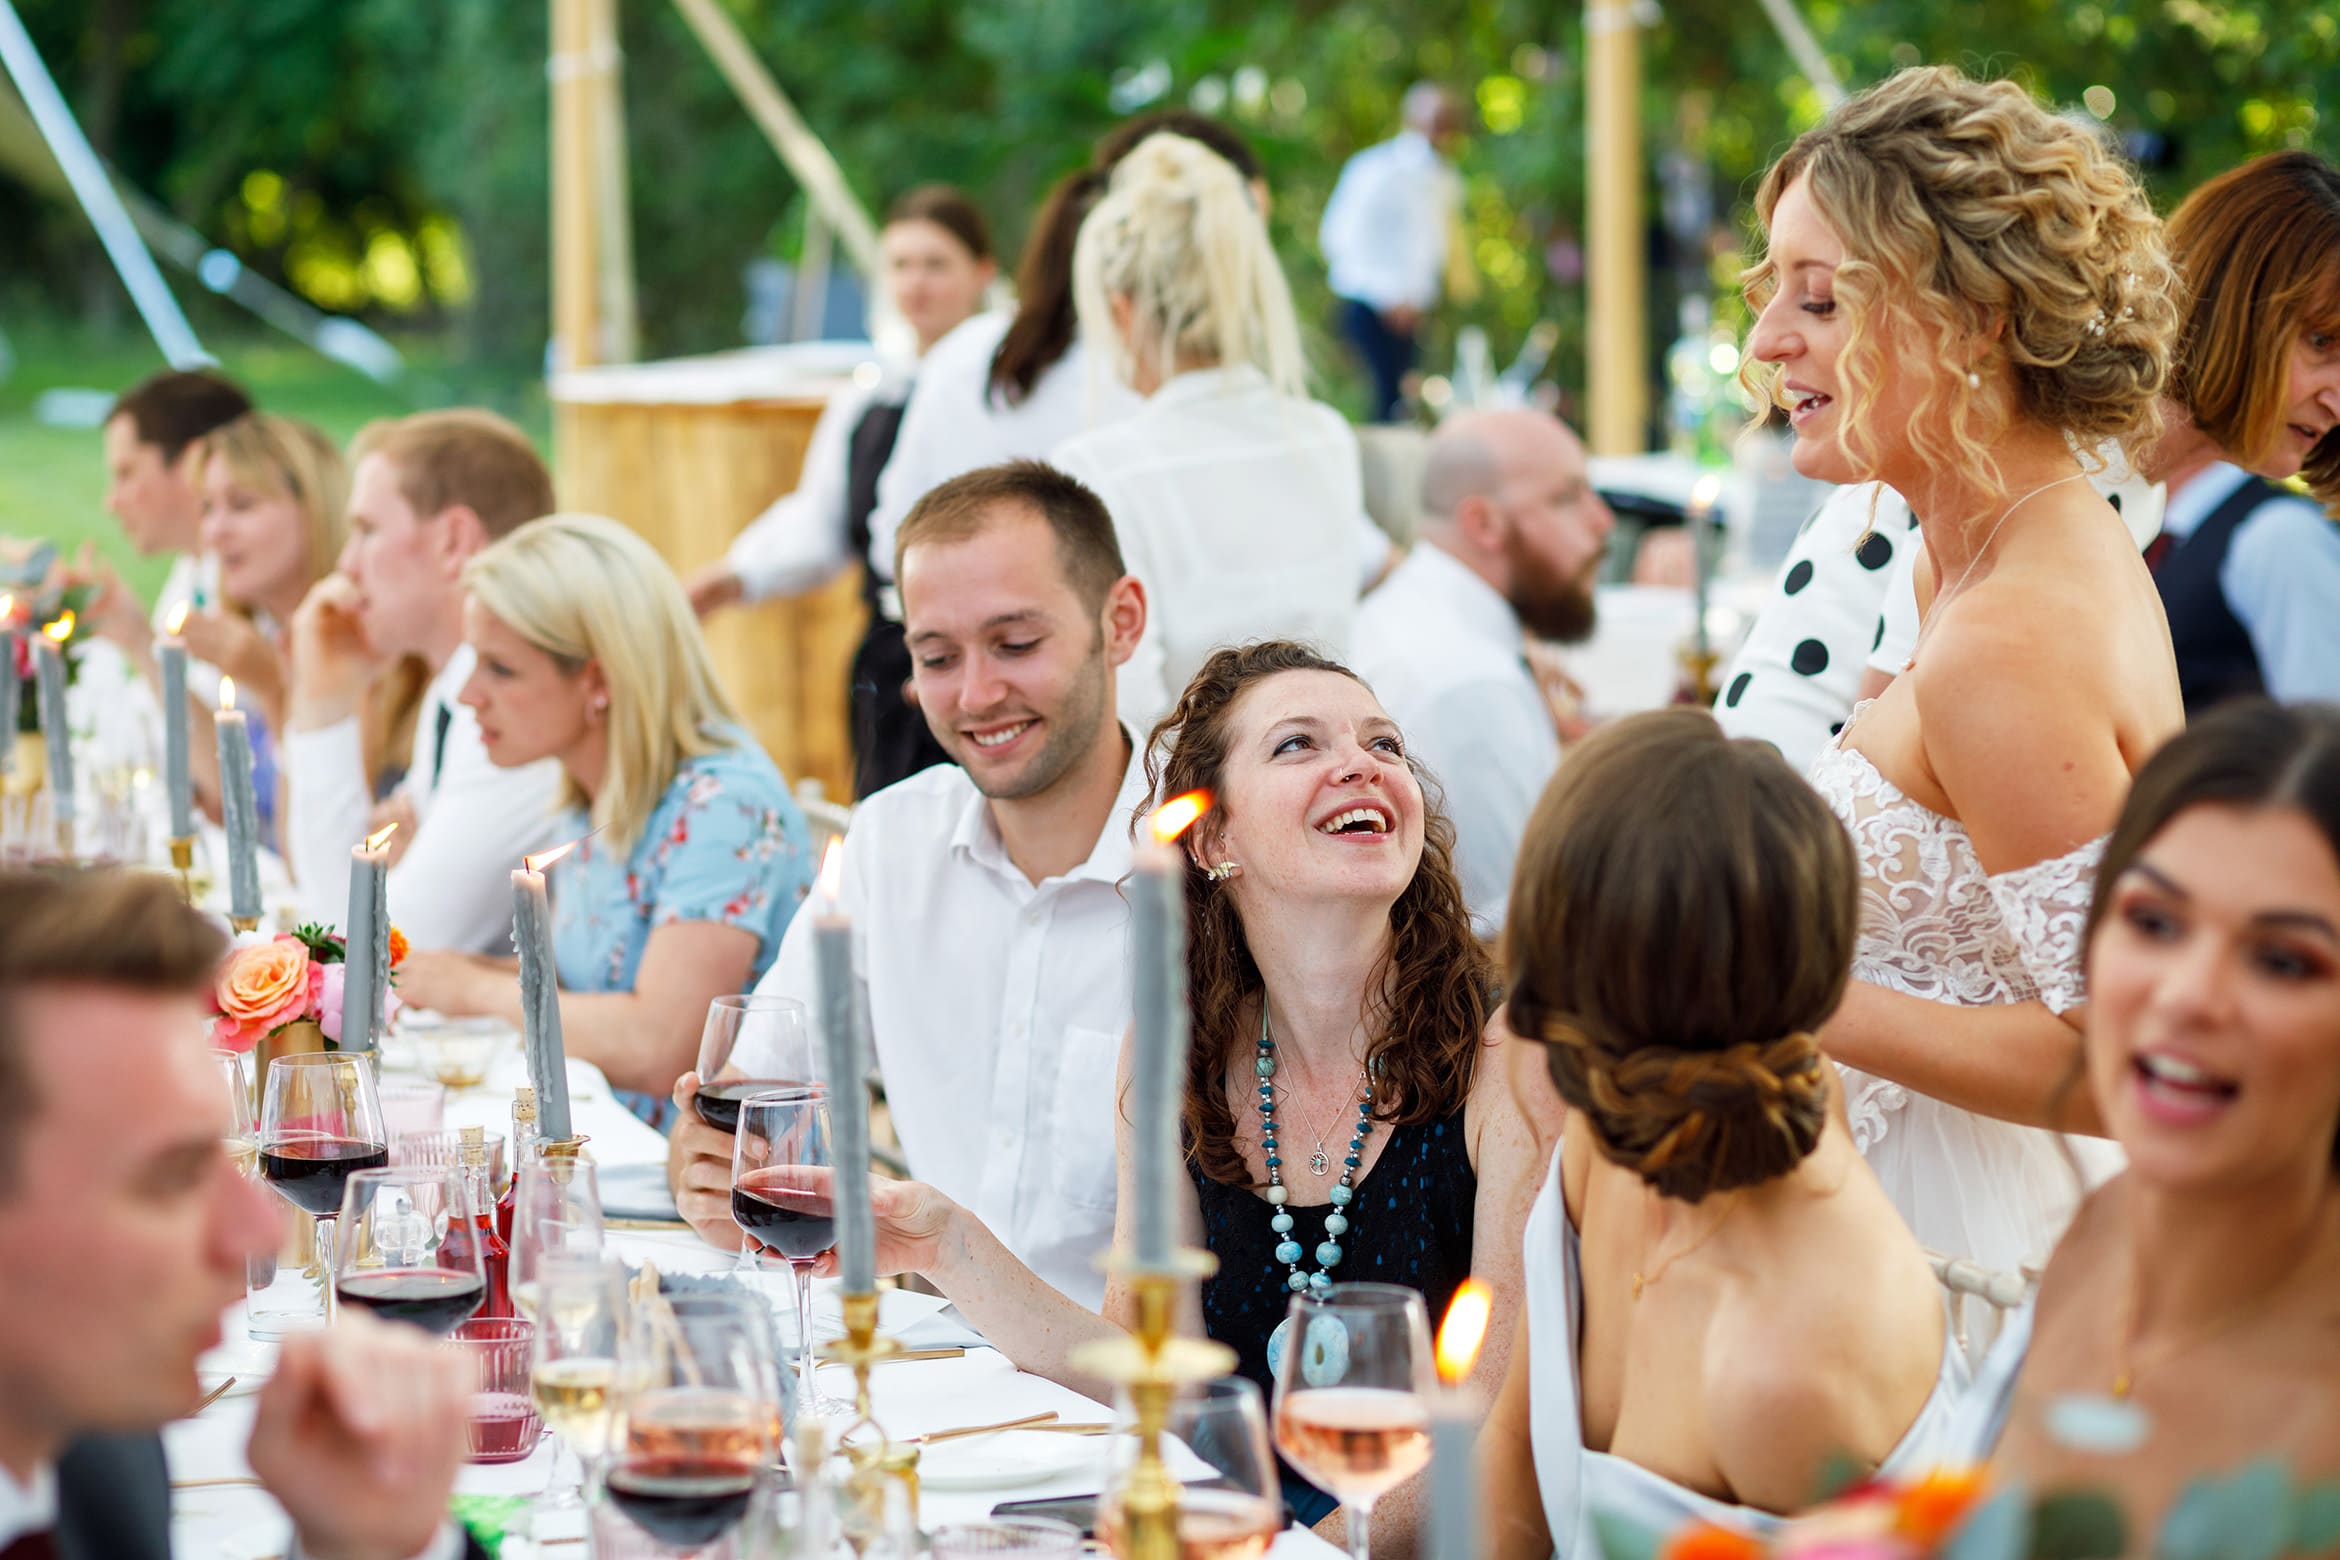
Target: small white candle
[(540, 993), (848, 1070), (54, 726), (1455, 1413), (239, 808), (366, 952), (1157, 930), (170, 656)]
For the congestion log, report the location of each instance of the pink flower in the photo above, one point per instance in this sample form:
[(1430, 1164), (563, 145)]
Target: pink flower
[(329, 999), (262, 987)]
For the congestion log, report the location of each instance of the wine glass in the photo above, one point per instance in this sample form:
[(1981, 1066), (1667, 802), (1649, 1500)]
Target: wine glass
[(404, 1247), (243, 1146), (698, 1416), (320, 1123), (782, 1134), (751, 1043), (583, 1323), (1236, 1512), (1352, 1394), (556, 1210)]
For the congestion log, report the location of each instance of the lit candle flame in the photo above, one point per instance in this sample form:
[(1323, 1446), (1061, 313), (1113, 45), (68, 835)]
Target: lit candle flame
[(545, 858), (7, 609), (1707, 490), (1177, 815), (176, 621), (1464, 1329), (381, 836), (833, 870), (62, 629), (227, 693)]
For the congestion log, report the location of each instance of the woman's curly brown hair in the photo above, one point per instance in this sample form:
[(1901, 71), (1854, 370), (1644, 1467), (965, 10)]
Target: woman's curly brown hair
[(1439, 987), (1966, 205), (1682, 920)]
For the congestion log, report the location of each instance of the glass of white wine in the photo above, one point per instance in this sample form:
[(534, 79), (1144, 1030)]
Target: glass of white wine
[(583, 1327), (556, 1212), (1353, 1395)]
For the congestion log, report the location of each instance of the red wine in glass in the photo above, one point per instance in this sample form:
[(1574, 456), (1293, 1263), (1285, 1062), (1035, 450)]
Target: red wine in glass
[(685, 1502), (718, 1103), (501, 1427), (434, 1299), (796, 1222), (310, 1172)]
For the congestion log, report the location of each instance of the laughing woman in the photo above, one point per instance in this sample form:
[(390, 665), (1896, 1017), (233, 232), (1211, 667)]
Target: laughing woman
[(1329, 936), (690, 855)]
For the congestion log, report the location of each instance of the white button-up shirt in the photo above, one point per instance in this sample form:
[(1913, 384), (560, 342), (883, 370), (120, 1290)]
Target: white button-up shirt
[(473, 823), (956, 422), (1442, 651), (27, 1508), (801, 541), (1387, 225), (1243, 512), (997, 1006)]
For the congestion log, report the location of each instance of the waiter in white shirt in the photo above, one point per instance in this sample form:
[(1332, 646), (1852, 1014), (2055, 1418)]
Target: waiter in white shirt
[(936, 258), (990, 933), (1385, 235), (429, 491), (1511, 541)]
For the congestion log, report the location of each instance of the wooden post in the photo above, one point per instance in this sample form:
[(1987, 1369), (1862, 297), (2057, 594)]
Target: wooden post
[(613, 222), (1615, 251), (575, 242)]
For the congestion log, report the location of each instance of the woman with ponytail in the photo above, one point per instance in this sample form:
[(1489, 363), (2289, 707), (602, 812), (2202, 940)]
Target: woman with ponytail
[(1239, 501), (1722, 1305)]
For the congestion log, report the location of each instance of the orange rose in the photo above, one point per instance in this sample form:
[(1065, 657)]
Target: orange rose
[(1700, 1541), (261, 987), (397, 947), (1930, 1508)]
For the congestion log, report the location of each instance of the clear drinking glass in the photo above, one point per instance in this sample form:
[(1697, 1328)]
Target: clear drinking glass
[(583, 1323), (503, 1424), (243, 1146), (1234, 1511), (402, 1247), (698, 1417), (751, 1043), (320, 1123), (1352, 1395), (783, 1133), (556, 1211)]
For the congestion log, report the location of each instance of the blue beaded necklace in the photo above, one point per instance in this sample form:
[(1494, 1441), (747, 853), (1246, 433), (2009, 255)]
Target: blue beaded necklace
[(1336, 1223)]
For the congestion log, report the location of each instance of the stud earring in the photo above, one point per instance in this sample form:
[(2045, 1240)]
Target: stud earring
[(1973, 380), (1223, 871)]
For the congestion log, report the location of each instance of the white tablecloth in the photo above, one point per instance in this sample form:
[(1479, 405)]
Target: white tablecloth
[(244, 1523)]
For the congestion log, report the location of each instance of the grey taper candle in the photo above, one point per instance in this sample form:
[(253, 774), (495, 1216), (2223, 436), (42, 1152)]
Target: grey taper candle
[(848, 1070), (239, 809), (540, 996), (170, 659), (54, 727), (366, 954)]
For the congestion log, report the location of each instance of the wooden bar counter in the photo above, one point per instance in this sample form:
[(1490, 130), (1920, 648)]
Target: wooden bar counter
[(687, 452)]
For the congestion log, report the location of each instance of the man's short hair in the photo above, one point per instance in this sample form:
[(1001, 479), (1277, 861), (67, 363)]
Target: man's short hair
[(173, 409), (963, 507), (464, 456), (93, 926)]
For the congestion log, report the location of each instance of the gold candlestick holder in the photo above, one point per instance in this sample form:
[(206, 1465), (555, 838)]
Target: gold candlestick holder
[(183, 863), (871, 1458), (1152, 1365), (1698, 669)]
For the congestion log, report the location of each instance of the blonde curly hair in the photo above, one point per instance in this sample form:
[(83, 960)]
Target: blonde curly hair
[(1967, 207)]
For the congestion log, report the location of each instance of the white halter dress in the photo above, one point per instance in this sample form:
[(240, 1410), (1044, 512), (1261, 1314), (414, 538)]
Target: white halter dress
[(1934, 924), (1579, 1486)]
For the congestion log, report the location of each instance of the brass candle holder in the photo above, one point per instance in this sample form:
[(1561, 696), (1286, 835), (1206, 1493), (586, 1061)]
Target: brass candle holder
[(1153, 1365), (1699, 665), (183, 863), (243, 923), (873, 1459)]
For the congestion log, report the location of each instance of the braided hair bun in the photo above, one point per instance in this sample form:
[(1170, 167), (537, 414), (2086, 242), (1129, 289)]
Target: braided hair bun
[(1682, 921)]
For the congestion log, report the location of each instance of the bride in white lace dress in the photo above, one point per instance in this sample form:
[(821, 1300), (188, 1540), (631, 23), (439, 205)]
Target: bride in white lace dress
[(1960, 289)]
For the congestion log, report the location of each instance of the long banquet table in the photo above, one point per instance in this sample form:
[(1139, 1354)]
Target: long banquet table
[(239, 1521)]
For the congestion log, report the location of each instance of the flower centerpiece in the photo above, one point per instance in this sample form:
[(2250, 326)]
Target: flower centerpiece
[(295, 977)]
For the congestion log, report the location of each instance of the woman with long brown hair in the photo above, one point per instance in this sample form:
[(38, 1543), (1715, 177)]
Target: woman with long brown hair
[(1350, 1112)]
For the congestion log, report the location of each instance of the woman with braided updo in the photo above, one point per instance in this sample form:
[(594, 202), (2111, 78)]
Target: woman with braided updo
[(1961, 290), (1721, 1302)]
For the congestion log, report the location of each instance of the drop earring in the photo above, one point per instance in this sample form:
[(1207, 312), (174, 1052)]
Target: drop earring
[(1223, 871)]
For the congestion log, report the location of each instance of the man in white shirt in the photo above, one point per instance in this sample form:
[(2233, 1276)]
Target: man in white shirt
[(990, 933), (428, 492), (125, 1227), (1385, 235), (1512, 536)]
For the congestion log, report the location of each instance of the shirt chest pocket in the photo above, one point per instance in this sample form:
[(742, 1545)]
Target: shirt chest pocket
[(1082, 1117)]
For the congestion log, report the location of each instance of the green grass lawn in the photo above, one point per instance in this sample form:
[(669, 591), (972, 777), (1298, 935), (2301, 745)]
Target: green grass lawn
[(53, 480)]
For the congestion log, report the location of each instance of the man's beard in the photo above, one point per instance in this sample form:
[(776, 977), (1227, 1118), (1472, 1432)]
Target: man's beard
[(1072, 726), (1552, 605)]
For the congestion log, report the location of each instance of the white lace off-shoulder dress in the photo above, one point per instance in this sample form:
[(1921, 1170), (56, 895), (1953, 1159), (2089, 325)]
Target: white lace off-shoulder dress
[(1934, 924)]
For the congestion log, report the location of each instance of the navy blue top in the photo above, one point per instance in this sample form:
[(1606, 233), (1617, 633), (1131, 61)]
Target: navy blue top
[(1410, 1223)]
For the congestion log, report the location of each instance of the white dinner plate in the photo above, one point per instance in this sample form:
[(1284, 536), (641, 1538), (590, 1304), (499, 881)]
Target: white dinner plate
[(636, 1192), (1007, 1460)]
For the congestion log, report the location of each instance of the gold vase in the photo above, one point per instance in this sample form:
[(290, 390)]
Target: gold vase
[(295, 1039), (28, 771)]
